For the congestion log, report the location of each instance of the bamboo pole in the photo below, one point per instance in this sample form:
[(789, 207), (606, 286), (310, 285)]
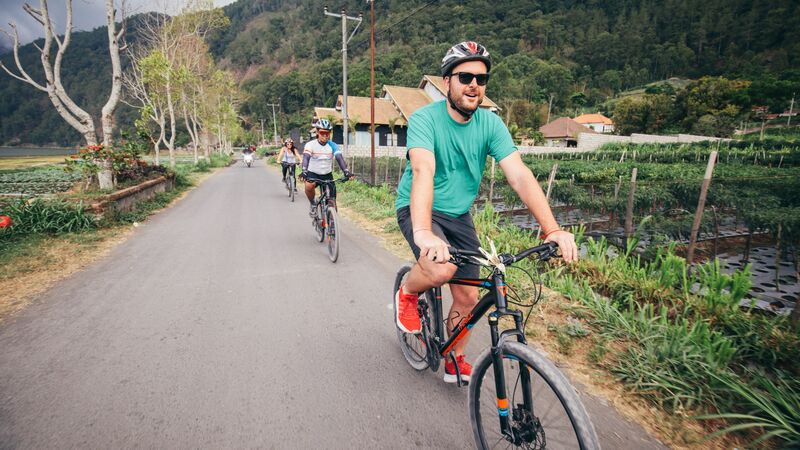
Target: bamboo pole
[(701, 204), (629, 209)]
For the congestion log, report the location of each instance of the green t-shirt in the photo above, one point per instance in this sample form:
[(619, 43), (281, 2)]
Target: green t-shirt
[(460, 151)]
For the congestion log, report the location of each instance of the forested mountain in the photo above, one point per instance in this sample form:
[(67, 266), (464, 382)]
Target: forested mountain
[(579, 52)]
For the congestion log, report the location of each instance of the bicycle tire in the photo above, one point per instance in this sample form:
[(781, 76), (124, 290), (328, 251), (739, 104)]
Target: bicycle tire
[(291, 186), (333, 233), (319, 224), (413, 346), (571, 429)]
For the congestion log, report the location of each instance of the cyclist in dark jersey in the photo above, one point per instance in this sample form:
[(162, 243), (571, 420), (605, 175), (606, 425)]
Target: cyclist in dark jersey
[(448, 143)]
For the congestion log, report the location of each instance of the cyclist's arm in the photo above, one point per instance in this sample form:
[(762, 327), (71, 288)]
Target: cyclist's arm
[(521, 179), (306, 159), (280, 154), (423, 167)]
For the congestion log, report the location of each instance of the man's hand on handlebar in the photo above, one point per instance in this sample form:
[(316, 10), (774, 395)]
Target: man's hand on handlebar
[(566, 242), (431, 246)]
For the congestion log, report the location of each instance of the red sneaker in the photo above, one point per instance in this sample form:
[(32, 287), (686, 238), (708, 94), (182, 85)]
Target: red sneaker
[(407, 316), (450, 369)]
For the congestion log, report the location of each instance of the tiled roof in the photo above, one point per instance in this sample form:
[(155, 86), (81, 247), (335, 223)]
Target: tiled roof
[(593, 118), (407, 99), (438, 83), (359, 108), (563, 127)]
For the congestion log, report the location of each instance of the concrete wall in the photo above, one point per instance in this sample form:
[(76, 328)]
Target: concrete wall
[(590, 141)]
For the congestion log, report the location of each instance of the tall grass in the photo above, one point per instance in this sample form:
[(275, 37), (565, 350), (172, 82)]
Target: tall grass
[(48, 217)]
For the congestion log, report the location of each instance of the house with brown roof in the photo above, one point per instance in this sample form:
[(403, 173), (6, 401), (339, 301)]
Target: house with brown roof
[(388, 121), (563, 132), (394, 106), (597, 122)]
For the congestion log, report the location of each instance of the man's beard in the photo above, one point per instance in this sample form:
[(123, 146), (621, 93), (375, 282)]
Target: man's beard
[(459, 105)]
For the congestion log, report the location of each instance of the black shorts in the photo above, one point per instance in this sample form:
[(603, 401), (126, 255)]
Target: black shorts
[(327, 176), (458, 232)]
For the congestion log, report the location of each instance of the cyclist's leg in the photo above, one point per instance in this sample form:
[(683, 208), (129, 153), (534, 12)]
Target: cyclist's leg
[(284, 167), (310, 188), (460, 232), (425, 274)]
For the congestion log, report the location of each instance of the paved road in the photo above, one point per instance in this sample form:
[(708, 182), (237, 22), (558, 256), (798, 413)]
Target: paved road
[(221, 324)]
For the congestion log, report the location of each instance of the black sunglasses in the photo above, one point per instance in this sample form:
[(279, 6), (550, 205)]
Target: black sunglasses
[(466, 78)]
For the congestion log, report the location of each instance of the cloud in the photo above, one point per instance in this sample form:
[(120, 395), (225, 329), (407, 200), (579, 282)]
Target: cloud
[(86, 15)]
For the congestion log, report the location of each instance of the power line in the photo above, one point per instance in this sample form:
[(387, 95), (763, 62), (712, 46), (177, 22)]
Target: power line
[(387, 28)]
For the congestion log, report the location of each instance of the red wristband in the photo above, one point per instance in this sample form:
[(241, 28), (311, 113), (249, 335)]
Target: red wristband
[(550, 232)]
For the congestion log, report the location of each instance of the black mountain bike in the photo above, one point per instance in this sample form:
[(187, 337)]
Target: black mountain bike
[(517, 398), (326, 218), (290, 182)]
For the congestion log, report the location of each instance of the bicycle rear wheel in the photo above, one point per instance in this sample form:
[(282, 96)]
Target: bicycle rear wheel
[(413, 346), (333, 234), (555, 417)]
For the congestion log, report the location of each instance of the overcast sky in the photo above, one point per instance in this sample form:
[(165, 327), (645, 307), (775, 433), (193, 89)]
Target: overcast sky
[(87, 14)]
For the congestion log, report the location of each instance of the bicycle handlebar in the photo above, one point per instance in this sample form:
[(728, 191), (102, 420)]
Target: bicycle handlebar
[(545, 252), (318, 180)]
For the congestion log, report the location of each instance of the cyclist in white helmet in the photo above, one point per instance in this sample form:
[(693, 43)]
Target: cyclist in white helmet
[(448, 143), (318, 156)]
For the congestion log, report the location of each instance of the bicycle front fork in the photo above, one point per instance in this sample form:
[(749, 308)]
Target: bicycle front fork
[(503, 407)]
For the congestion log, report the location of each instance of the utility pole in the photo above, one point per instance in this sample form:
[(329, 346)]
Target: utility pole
[(262, 131), (345, 40), (274, 123), (549, 107), (791, 105), (372, 92)]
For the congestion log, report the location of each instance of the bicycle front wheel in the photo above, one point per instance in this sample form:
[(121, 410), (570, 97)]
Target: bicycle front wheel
[(542, 408), (290, 186), (333, 234), (319, 223)]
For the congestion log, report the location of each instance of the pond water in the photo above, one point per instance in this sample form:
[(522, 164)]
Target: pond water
[(36, 151)]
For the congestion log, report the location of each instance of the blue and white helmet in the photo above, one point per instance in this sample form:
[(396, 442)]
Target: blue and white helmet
[(463, 52), (323, 124)]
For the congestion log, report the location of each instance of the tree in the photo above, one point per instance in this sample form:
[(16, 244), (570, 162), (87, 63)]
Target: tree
[(73, 114), (175, 56)]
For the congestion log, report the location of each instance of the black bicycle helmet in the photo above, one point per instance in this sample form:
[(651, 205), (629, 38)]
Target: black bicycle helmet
[(463, 52)]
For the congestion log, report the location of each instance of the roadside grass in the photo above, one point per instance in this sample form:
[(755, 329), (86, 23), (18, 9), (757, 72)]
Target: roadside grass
[(44, 249), (670, 346)]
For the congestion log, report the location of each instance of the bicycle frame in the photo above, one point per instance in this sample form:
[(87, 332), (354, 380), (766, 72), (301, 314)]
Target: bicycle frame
[(495, 297)]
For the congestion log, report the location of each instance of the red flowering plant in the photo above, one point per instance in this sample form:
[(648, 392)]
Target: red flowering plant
[(126, 161)]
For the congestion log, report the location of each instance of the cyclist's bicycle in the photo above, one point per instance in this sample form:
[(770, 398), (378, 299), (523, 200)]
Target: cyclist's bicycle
[(326, 218), (517, 398), (290, 182)]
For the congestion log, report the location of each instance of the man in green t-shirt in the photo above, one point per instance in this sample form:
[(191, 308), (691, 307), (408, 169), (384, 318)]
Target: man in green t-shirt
[(448, 143)]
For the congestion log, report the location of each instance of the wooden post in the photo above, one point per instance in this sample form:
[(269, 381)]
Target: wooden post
[(491, 182), (616, 196), (716, 231), (622, 157), (701, 204), (386, 170), (629, 211), (547, 194), (778, 259)]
